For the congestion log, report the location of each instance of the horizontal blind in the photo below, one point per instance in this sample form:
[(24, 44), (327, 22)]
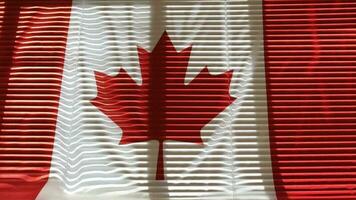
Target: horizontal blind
[(32, 48), (310, 64), (280, 125), (103, 37)]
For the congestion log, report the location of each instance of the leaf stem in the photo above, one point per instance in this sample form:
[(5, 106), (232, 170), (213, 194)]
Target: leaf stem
[(160, 162)]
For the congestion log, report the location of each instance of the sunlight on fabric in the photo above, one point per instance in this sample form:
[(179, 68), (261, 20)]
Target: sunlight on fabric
[(2, 8), (205, 59)]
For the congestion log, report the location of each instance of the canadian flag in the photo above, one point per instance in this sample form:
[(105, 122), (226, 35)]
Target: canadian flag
[(177, 99)]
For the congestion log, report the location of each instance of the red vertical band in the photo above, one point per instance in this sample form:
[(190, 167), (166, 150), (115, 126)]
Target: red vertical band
[(32, 48), (310, 52)]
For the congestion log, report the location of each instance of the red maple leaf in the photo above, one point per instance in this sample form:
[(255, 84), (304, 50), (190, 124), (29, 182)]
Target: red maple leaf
[(163, 107)]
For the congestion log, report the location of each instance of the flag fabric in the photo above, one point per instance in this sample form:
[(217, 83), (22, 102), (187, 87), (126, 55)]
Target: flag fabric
[(177, 99)]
